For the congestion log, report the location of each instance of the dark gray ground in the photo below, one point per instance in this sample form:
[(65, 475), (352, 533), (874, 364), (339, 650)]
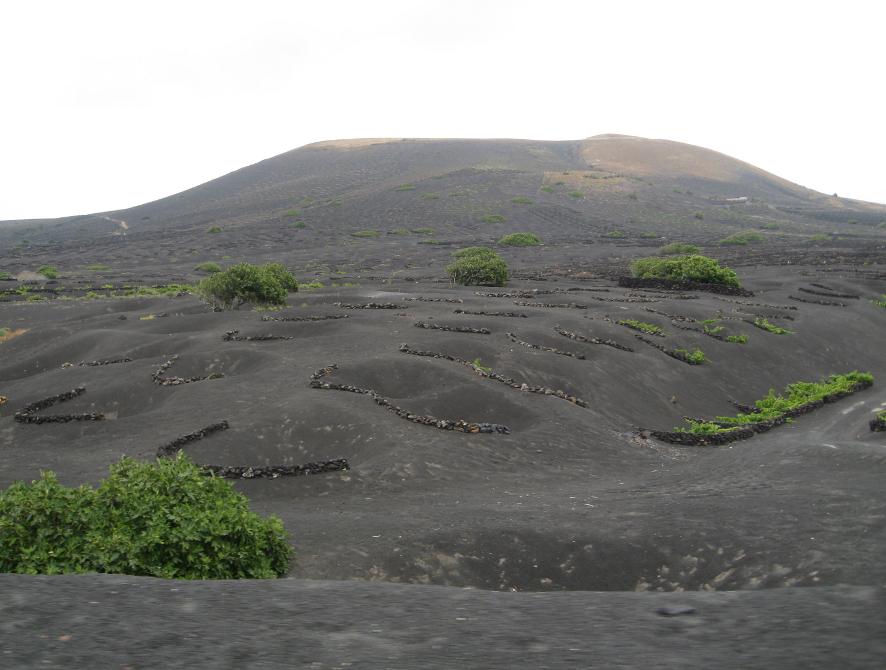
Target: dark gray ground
[(126, 622), (777, 541)]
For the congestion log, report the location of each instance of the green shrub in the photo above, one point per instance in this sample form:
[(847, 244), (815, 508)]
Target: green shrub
[(297, 224), (649, 235), (880, 302), (209, 267), (769, 225), (6, 276), (423, 231), (98, 266), (471, 252), (431, 196), (429, 242), (492, 218), (520, 240), (398, 231), (405, 187), (764, 324), (694, 357), (615, 235), (741, 239), (4, 331), (366, 233), (576, 194), (292, 213), (48, 271), (699, 215), (478, 267), (648, 328), (737, 339), (693, 268), (774, 406), (547, 189), (678, 248), (258, 284), (479, 365), (214, 229), (166, 519), (521, 200)]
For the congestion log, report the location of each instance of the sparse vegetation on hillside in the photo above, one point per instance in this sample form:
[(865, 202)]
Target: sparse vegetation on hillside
[(576, 194), (648, 328), (678, 248), (764, 324), (292, 213), (166, 519), (521, 200), (478, 266), (214, 229), (98, 267), (209, 267), (258, 284), (694, 268), (423, 231), (694, 357), (775, 406), (5, 276), (520, 240), (405, 187), (48, 271), (742, 239), (366, 233)]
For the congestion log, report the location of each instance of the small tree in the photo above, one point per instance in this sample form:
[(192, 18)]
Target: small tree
[(259, 284), (478, 266), (694, 268)]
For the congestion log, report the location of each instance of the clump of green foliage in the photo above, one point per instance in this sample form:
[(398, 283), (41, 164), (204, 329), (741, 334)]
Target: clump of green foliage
[(694, 267), (4, 331), (366, 233), (485, 368), (699, 216), (521, 200), (429, 241), (310, 286), (431, 196), (48, 271), (520, 240), (648, 328), (576, 194), (742, 239), (292, 213), (775, 406), (266, 284), (299, 225), (214, 229), (819, 237), (167, 519), (615, 235), (880, 302), (737, 339), (423, 231), (405, 187), (6, 276), (547, 189), (678, 248), (98, 266), (694, 357), (208, 267), (648, 235), (492, 218), (764, 324), (478, 266), (769, 225)]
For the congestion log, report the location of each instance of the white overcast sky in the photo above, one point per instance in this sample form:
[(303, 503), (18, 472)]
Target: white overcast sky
[(105, 105)]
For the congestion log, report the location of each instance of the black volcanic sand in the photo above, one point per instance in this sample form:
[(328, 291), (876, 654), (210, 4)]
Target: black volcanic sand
[(571, 499)]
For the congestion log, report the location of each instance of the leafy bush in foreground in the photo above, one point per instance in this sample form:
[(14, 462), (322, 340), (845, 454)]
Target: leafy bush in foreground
[(678, 248), (259, 284), (520, 240), (774, 405), (165, 519), (694, 268), (476, 266)]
